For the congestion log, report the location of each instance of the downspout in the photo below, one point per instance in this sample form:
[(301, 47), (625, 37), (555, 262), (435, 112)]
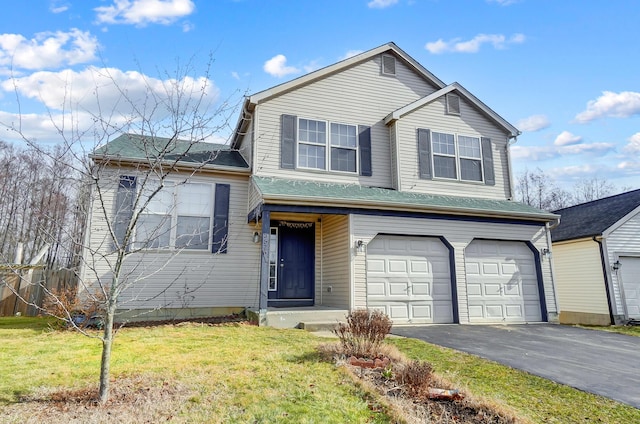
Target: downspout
[(321, 260), (606, 279)]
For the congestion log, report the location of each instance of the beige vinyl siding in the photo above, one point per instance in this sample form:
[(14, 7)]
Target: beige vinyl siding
[(579, 278), (334, 261), (254, 197), (246, 146), (470, 123), (623, 240), (188, 279), (393, 143), (358, 95), (459, 234)]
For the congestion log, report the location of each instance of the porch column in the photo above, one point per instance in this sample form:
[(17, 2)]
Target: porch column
[(264, 263)]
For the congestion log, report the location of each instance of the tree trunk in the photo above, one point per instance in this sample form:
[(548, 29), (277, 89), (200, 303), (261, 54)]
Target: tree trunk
[(105, 362)]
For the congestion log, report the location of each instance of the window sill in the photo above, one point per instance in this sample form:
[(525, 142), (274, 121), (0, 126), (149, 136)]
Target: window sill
[(325, 172)]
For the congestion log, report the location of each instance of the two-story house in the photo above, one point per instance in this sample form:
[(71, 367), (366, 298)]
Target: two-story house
[(366, 184)]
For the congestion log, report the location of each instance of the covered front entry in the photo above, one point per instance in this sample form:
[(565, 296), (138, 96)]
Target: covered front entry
[(291, 263), (409, 279), (630, 270), (502, 283)]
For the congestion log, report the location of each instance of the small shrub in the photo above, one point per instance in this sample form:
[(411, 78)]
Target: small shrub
[(363, 333), (84, 312), (415, 376)]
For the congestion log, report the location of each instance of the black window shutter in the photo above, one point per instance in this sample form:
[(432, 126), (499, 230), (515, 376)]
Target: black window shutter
[(424, 154), (364, 140), (487, 162), (221, 219), (124, 209), (288, 142)]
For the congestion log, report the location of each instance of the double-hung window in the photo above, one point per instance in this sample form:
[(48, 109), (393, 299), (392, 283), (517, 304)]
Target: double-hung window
[(470, 158), (312, 144), (335, 151), (456, 157), (177, 216), (344, 146)]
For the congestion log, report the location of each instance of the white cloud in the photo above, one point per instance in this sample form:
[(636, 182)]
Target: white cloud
[(617, 105), (312, 66), (188, 26), (456, 45), (634, 144), (142, 12), (565, 138), (540, 153), (503, 2), (58, 7), (350, 53), (629, 167), (235, 75), (533, 123), (97, 93), (381, 4), (575, 171), (47, 49), (277, 67)]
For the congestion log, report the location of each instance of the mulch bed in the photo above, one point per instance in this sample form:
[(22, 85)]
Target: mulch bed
[(419, 408), (218, 320)]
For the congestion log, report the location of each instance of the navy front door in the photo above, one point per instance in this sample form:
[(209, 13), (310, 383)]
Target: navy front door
[(296, 263)]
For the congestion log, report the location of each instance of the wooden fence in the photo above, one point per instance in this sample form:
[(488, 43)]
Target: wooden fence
[(32, 285)]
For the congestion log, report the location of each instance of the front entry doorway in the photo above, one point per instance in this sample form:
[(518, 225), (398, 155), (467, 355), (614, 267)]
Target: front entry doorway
[(292, 264)]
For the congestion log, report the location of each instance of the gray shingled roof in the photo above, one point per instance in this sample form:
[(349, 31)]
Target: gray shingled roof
[(275, 189), (595, 217), (137, 147)]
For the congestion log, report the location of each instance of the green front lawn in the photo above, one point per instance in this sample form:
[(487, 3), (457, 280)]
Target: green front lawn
[(240, 373)]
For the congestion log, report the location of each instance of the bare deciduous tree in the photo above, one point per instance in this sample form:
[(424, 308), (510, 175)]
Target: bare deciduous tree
[(537, 189), (120, 199)]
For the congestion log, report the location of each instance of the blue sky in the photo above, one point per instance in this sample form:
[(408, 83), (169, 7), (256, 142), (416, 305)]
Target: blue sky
[(566, 73)]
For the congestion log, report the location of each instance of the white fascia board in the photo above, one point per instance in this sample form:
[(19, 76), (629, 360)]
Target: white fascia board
[(399, 113), (320, 73), (179, 166), (606, 233)]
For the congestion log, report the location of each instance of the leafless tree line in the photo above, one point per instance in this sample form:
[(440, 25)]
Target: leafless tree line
[(535, 188), (40, 203)]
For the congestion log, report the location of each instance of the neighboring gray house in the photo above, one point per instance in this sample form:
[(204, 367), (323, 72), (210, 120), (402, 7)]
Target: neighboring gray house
[(596, 252), (366, 184)]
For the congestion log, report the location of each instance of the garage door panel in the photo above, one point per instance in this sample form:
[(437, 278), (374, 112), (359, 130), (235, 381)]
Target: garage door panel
[(506, 288), (630, 274), (415, 275)]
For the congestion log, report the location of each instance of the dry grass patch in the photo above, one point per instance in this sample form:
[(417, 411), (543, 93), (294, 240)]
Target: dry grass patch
[(133, 400)]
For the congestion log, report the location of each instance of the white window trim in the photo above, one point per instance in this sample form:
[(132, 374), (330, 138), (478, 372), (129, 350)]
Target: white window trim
[(457, 157), (327, 145), (173, 216)]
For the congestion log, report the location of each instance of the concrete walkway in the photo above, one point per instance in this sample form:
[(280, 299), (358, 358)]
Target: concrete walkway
[(599, 362)]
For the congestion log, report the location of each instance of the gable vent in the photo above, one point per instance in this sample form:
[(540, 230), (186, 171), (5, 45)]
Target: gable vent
[(388, 65), (453, 104)]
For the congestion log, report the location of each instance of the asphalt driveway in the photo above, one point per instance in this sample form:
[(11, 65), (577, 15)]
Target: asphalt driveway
[(599, 362)]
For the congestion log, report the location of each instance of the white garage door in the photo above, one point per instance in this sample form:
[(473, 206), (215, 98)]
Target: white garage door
[(408, 278), (630, 273), (502, 285)]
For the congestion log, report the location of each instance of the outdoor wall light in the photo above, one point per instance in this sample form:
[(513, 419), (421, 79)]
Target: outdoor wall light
[(256, 237), (546, 252), (616, 265), (360, 245)]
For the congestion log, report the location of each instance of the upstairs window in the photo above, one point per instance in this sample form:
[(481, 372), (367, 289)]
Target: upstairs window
[(314, 153), (344, 146), (455, 157), (325, 146)]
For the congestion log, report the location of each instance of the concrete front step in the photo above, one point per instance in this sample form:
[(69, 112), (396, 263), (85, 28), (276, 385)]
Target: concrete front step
[(314, 326), (294, 317)]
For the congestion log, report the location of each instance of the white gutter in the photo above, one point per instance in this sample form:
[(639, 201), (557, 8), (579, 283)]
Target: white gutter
[(329, 201)]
